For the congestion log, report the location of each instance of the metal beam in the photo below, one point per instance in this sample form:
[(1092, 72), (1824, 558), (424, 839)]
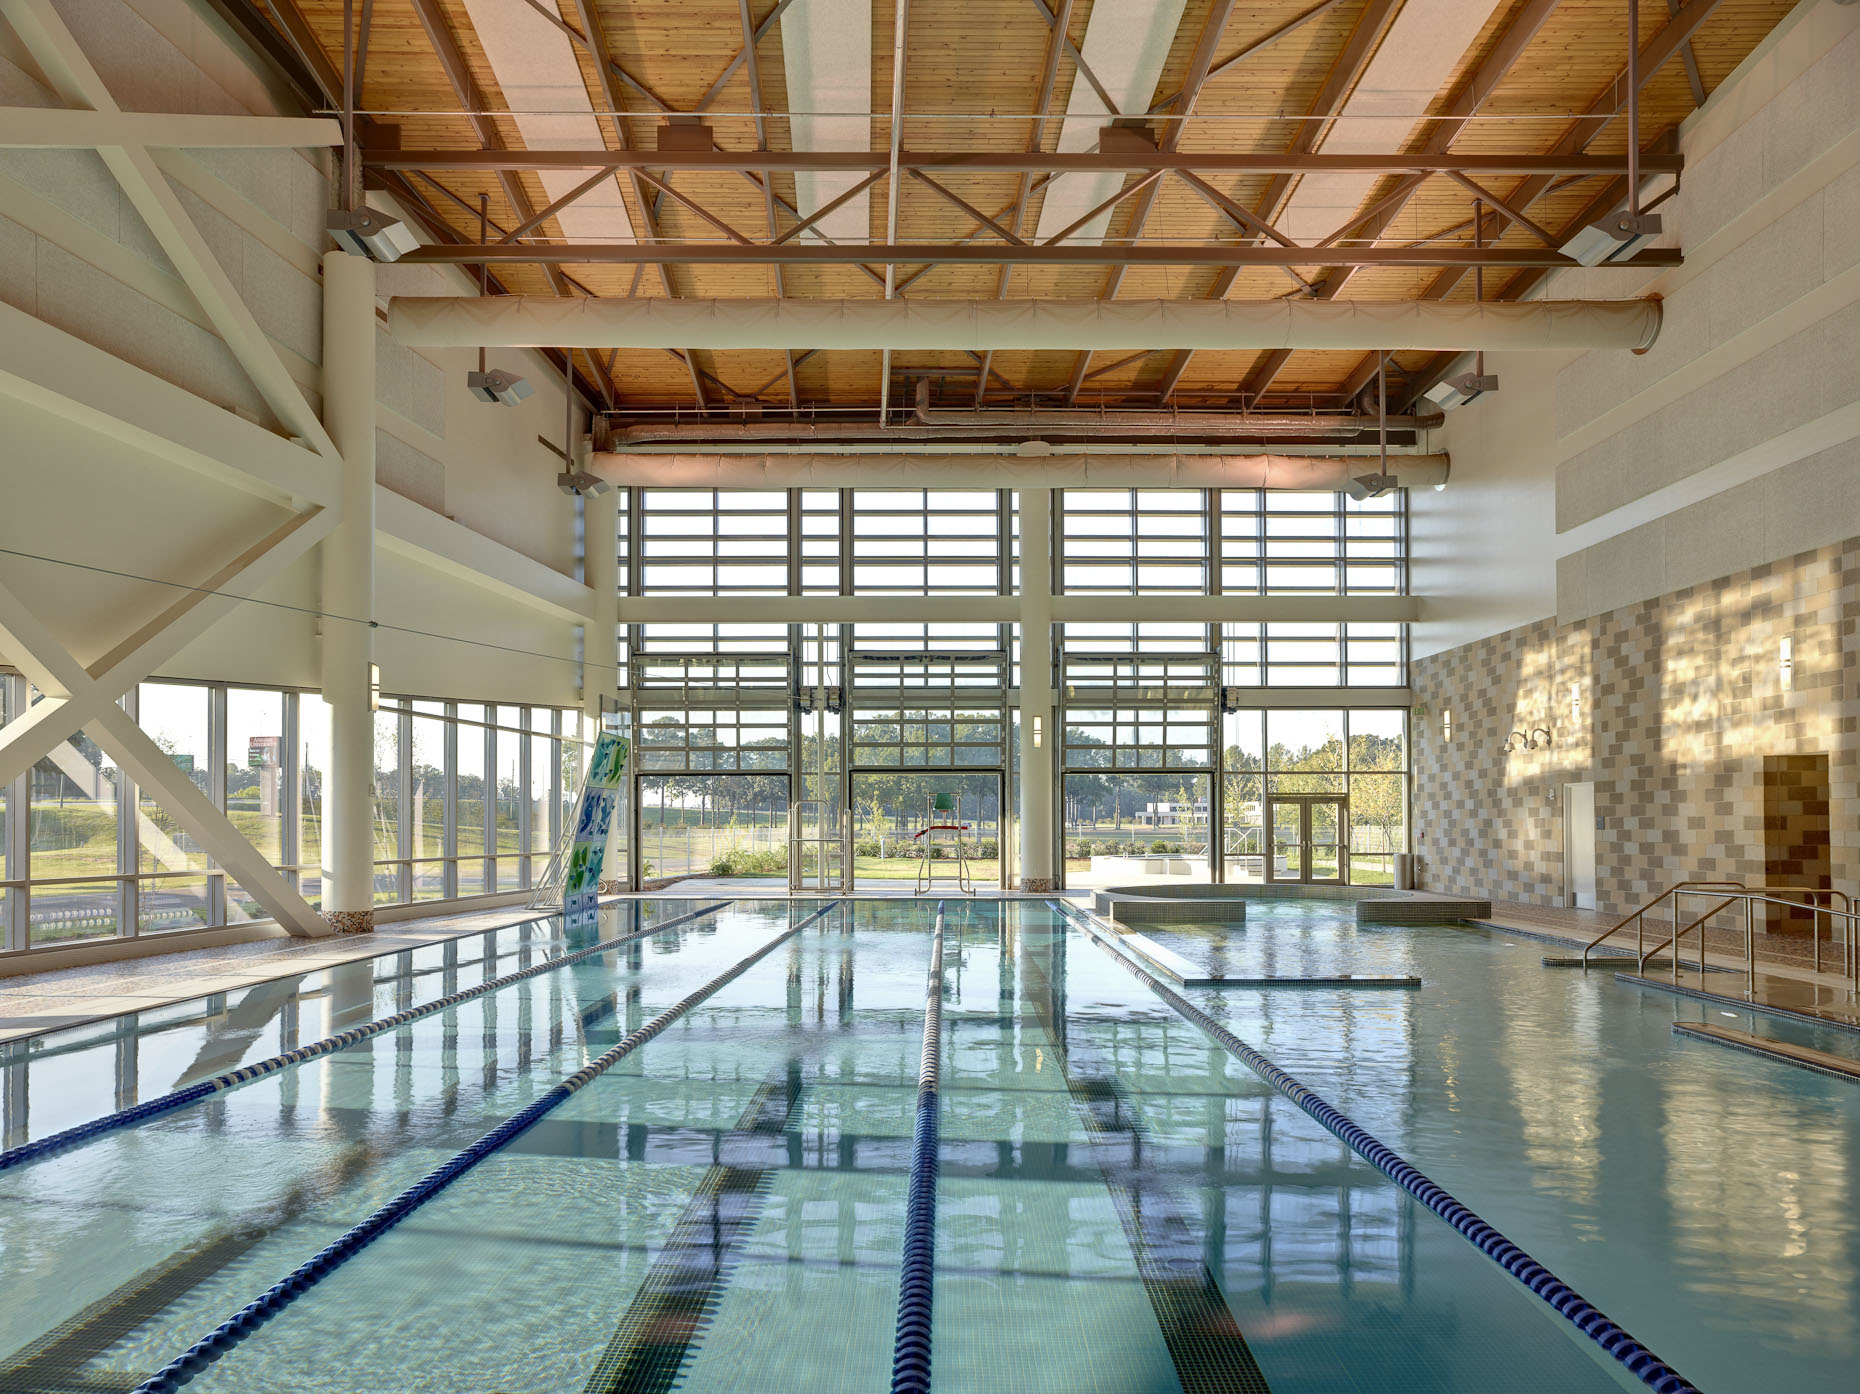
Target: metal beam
[(1059, 28), (1343, 76), (55, 49), (1608, 103), (992, 253), (1472, 94), (604, 67), (748, 53), (1199, 64), (1020, 162), (57, 674), (55, 128)]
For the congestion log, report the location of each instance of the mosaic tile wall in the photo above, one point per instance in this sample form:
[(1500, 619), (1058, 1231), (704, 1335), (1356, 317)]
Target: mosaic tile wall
[(1672, 708)]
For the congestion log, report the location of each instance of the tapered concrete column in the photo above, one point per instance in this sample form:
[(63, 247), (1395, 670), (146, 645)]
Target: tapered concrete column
[(349, 594), (600, 647), (1037, 793)]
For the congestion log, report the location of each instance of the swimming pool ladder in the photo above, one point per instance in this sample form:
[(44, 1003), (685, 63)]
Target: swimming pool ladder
[(1839, 910), (1638, 918)]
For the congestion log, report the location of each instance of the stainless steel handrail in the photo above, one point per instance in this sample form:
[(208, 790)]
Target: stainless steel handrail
[(1850, 963), (1638, 918)]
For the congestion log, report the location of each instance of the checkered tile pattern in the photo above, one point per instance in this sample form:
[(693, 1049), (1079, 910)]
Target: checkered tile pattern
[(1705, 760)]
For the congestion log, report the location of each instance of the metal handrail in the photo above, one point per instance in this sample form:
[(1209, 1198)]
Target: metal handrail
[(1850, 963), (1637, 918), (1679, 934)]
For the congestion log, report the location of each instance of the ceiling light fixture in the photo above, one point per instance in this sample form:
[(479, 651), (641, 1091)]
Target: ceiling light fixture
[(493, 385), (577, 481), (1623, 232), (1374, 486), (363, 232)]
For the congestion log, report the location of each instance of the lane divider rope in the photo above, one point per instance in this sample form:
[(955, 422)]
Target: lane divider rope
[(910, 1358), (1642, 1363), (229, 1333), (82, 1133)]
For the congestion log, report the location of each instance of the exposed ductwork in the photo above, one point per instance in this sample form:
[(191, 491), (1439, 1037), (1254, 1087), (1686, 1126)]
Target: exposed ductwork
[(1030, 432), (1325, 473), (532, 321)]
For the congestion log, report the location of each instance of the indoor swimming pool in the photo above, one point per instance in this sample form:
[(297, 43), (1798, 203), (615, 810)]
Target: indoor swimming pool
[(1120, 1203)]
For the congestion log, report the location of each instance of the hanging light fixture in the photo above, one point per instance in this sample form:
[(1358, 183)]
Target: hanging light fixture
[(1374, 486), (493, 384)]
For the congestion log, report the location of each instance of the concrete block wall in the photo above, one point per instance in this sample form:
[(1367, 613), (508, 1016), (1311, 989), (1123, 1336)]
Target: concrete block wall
[(75, 254)]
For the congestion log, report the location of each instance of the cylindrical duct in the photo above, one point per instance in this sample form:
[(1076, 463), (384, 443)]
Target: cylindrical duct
[(1315, 472), (546, 321)]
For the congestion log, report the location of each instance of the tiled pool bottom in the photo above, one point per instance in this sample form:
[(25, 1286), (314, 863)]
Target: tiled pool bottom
[(1122, 1206)]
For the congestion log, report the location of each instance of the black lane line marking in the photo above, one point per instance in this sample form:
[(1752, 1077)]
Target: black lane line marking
[(54, 1362), (670, 1313), (1210, 1354)]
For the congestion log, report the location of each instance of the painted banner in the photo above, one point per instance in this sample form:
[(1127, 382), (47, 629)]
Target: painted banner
[(600, 796)]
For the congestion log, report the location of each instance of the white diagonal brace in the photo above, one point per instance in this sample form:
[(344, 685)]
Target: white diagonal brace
[(59, 373), (35, 733), (56, 51), (55, 672), (50, 128)]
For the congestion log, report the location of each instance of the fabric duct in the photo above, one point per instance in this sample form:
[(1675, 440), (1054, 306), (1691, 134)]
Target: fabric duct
[(546, 321), (1008, 471)]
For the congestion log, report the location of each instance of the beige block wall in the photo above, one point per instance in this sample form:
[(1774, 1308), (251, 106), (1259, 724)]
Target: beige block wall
[(1671, 707)]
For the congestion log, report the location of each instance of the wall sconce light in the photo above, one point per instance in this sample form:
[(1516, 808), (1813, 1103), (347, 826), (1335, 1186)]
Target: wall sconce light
[(1446, 723), (1785, 663), (374, 687), (1575, 701), (1533, 743), (1039, 730), (1511, 741)]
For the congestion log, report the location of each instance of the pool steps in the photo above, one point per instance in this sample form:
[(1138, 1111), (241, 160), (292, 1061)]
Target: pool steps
[(1783, 1052), (129, 1117), (910, 1358), (1188, 974), (1634, 1357), (216, 1343)]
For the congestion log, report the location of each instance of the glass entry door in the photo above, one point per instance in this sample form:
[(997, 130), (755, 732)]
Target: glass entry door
[(1309, 835)]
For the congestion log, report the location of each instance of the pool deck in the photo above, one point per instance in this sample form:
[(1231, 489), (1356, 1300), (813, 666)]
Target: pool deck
[(34, 1002), (1789, 988), (49, 1001)]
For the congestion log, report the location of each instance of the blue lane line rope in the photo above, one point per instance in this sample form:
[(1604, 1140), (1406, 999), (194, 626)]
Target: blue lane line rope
[(910, 1358), (1642, 1363), (280, 1295), (129, 1117)]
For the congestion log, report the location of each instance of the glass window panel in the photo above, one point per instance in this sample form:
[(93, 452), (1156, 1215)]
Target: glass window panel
[(471, 803), (71, 822), (312, 772), (426, 796), (255, 783), (510, 793), (175, 717)]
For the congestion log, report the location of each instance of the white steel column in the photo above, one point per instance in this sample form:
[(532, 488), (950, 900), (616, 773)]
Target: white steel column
[(349, 594), (1037, 792), (600, 644)]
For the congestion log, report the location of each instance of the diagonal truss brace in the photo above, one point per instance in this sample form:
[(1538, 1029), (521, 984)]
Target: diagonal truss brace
[(67, 683), (55, 49)]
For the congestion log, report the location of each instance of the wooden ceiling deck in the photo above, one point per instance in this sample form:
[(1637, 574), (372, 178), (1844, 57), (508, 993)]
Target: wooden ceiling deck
[(1539, 78)]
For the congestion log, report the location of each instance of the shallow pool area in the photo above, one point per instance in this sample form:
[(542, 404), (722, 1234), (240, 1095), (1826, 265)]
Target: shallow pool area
[(1120, 1204)]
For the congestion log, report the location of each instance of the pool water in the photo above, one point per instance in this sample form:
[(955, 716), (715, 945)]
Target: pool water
[(1122, 1206)]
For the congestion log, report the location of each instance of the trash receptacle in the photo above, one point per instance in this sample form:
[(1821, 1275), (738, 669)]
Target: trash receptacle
[(1404, 871)]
